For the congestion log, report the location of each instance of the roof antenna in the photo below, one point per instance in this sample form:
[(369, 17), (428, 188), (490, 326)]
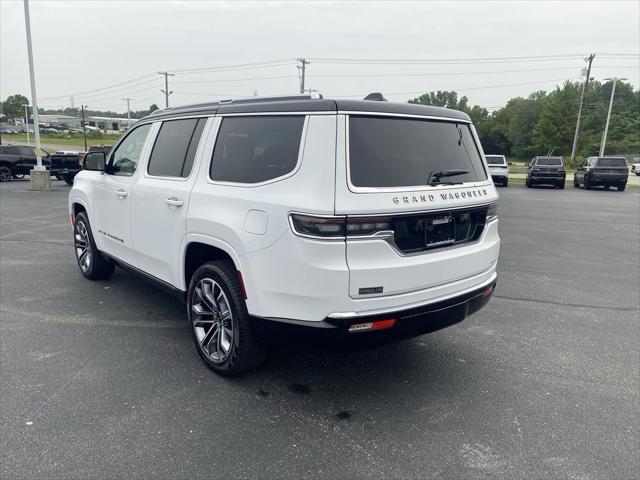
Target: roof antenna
[(376, 97)]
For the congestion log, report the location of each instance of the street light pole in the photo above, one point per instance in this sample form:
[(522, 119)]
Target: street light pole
[(40, 177), (26, 120), (606, 127)]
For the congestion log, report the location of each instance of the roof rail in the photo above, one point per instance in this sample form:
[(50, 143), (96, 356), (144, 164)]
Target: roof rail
[(239, 101)]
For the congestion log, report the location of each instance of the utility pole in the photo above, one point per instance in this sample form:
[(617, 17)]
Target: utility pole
[(26, 119), (128, 111), (71, 100), (301, 67), (166, 87), (606, 127), (584, 89), (84, 130), (40, 176)]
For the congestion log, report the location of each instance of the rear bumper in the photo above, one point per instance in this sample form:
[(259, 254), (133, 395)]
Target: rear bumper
[(615, 179), (547, 178), (410, 322)]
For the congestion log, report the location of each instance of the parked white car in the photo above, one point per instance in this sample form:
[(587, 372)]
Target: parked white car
[(499, 169), (635, 168), (334, 217)]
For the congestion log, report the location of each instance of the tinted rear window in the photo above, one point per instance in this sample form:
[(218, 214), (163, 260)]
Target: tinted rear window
[(256, 149), (398, 152), (612, 162), (495, 160), (549, 161), (175, 148)]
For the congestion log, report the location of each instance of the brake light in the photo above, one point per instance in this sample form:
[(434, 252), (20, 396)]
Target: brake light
[(338, 227)]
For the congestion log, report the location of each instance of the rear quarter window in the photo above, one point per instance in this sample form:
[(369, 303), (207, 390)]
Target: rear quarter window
[(256, 149), (389, 152)]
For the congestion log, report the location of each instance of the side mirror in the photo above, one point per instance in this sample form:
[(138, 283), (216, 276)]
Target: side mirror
[(94, 161)]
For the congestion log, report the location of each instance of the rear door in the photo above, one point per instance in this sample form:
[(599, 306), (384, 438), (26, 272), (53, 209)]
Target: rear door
[(160, 198), (407, 229)]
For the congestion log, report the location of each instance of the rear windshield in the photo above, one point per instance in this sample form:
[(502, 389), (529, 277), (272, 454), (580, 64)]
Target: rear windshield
[(612, 162), (399, 152), (549, 161), (495, 159)]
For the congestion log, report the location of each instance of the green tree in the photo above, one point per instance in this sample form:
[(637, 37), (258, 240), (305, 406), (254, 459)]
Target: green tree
[(12, 106)]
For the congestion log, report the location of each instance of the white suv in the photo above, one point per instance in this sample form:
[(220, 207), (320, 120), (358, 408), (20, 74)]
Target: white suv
[(499, 169), (335, 217)]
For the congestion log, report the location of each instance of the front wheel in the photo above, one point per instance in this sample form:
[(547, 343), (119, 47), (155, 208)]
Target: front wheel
[(5, 174), (92, 263), (587, 184), (219, 321), (622, 187)]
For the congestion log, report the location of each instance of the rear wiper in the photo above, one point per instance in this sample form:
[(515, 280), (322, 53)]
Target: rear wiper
[(434, 177)]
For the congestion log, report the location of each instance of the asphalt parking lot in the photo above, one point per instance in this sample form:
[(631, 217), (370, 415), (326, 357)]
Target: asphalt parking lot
[(101, 380)]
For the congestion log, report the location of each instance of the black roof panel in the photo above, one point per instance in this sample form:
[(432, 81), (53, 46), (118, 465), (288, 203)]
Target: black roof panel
[(306, 104)]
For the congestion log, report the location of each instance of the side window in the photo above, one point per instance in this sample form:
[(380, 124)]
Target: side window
[(27, 152), (175, 148), (126, 157), (256, 149), (11, 151)]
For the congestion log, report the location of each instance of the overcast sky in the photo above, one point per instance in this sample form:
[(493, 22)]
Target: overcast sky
[(82, 46)]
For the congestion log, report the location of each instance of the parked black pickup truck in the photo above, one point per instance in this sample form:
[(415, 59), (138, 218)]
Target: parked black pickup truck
[(66, 165), (16, 161)]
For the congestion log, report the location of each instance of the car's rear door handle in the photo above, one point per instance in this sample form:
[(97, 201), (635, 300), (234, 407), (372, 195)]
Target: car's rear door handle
[(173, 201), (121, 193)]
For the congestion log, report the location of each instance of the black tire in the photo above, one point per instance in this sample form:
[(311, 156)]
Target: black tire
[(606, 187), (68, 179), (561, 186), (527, 183), (5, 174), (576, 184), (587, 183), (622, 187), (59, 177), (94, 265), (244, 353), (506, 182)]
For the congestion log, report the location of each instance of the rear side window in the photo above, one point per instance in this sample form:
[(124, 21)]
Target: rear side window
[(398, 152), (175, 148), (27, 151), (612, 162), (549, 161), (495, 159), (256, 149)]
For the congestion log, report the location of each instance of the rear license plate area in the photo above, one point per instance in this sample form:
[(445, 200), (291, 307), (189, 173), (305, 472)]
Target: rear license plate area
[(439, 231)]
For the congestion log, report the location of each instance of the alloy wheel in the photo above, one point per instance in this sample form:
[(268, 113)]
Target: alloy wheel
[(5, 174), (82, 246), (212, 320)]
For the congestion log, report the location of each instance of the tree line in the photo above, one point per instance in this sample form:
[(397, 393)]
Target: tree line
[(544, 122), (12, 107)]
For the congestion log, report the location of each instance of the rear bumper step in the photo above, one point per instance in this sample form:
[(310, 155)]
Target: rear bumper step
[(406, 323)]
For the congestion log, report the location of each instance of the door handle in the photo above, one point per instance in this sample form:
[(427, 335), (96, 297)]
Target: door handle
[(121, 193), (173, 201)]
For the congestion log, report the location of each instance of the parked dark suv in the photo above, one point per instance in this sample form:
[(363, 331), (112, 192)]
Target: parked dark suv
[(17, 161), (602, 171), (546, 171)]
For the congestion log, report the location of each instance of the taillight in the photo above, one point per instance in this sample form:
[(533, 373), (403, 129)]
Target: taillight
[(326, 227), (492, 212), (367, 225), (338, 227)]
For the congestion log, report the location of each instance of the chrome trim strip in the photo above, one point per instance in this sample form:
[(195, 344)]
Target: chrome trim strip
[(406, 115), (381, 311)]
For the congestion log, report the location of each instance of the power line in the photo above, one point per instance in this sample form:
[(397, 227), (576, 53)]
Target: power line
[(392, 61)]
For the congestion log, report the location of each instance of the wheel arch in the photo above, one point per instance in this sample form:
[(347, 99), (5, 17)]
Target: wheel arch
[(199, 250)]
